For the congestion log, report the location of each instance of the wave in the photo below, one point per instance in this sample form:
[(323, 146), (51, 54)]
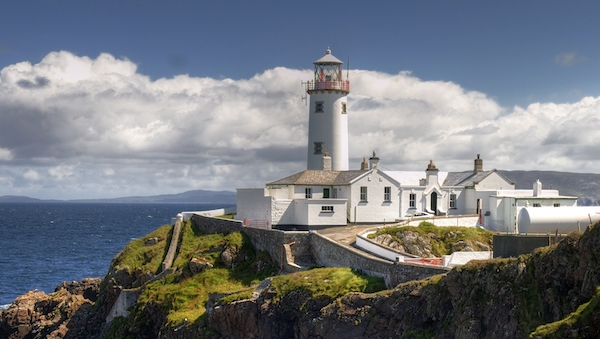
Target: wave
[(4, 307)]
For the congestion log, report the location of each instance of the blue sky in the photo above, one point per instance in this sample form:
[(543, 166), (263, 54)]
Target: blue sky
[(517, 52), (116, 98)]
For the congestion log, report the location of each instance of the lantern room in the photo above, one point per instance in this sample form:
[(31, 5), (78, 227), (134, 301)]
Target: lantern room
[(328, 75)]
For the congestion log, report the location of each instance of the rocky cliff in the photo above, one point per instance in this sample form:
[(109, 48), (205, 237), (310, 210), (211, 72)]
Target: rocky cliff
[(551, 293)]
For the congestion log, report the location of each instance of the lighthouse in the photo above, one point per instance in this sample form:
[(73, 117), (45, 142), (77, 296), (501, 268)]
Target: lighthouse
[(328, 118)]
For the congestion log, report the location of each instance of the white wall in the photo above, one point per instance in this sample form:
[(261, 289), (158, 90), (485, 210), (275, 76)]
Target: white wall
[(375, 209), (253, 203), (309, 212), (329, 127)]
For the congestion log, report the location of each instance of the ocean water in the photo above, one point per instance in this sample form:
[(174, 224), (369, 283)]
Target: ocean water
[(44, 244)]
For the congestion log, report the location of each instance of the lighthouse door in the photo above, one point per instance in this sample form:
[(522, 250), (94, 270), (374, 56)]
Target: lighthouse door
[(434, 202)]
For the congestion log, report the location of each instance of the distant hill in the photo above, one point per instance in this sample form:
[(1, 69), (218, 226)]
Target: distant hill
[(18, 198), (196, 196), (585, 186)]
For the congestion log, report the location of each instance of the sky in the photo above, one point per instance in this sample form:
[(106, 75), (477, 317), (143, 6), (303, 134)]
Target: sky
[(119, 98)]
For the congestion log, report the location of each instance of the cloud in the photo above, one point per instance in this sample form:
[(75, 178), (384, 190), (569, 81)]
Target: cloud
[(96, 127), (5, 154), (568, 59)]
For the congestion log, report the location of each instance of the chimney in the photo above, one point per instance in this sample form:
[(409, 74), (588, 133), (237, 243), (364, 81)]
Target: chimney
[(326, 162), (364, 165), (537, 188), (431, 174), (478, 165), (374, 161)]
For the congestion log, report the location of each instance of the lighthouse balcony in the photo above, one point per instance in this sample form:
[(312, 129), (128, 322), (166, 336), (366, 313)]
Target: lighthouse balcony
[(323, 85)]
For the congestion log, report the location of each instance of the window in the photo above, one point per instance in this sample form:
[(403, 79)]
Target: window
[(318, 147), (453, 200), (328, 209), (343, 108), (557, 205), (319, 107), (537, 204), (412, 200), (363, 193), (387, 194), (334, 193), (308, 193), (325, 193)]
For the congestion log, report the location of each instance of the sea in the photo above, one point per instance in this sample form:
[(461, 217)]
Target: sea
[(43, 244)]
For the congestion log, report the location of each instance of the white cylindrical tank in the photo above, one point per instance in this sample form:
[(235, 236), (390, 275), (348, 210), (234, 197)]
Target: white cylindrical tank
[(564, 219)]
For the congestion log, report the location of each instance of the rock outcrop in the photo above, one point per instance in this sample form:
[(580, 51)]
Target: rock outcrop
[(505, 298), (62, 314)]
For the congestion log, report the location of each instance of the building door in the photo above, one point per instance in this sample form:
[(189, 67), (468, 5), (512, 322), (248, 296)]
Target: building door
[(434, 202)]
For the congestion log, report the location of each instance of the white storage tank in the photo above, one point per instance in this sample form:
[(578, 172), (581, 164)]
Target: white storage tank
[(564, 219)]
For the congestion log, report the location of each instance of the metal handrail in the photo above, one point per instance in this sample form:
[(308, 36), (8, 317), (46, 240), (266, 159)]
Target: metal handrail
[(340, 85)]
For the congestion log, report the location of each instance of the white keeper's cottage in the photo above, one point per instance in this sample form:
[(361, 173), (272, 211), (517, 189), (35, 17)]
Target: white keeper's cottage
[(328, 193)]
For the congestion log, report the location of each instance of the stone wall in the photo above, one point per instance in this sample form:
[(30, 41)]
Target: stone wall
[(312, 248)]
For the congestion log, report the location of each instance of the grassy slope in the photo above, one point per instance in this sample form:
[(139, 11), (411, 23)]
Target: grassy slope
[(182, 295)]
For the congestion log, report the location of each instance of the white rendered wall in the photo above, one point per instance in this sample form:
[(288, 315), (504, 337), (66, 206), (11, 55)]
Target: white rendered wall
[(329, 127), (375, 209), (309, 212), (253, 203)]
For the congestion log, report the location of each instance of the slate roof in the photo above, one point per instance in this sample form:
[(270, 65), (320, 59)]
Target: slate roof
[(468, 178), (411, 178), (319, 177)]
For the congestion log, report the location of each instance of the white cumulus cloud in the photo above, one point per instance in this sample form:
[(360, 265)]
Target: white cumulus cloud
[(95, 127)]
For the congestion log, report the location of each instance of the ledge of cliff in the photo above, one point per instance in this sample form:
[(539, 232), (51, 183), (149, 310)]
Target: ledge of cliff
[(551, 293)]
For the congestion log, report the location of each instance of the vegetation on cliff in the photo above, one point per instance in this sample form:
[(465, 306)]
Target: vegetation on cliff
[(220, 289), (428, 240)]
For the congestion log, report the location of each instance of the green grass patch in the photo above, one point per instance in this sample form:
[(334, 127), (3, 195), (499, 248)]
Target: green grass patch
[(184, 295), (145, 257), (582, 317), (328, 282), (442, 238)]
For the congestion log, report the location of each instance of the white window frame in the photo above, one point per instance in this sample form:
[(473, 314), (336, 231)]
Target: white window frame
[(412, 200), (387, 194), (344, 108), (326, 209), (453, 201), (363, 193), (308, 193)]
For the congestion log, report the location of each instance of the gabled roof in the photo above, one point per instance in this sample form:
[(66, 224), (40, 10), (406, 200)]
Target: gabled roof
[(468, 178), (319, 177), (412, 178)]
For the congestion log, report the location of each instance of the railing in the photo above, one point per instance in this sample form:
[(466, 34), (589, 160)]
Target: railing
[(338, 85)]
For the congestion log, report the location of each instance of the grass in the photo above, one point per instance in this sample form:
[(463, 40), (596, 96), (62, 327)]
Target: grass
[(147, 258), (441, 243), (184, 296), (582, 317), (325, 282)]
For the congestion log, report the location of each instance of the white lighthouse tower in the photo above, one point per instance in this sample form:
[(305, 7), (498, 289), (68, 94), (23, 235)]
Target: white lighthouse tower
[(328, 120)]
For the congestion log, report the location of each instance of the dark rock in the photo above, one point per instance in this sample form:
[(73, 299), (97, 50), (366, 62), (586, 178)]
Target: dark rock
[(197, 265)]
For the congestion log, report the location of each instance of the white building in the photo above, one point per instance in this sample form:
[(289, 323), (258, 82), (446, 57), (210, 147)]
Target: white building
[(329, 194)]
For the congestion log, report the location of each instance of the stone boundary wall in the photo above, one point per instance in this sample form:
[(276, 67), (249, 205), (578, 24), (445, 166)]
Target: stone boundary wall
[(324, 251), (332, 254), (166, 264)]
